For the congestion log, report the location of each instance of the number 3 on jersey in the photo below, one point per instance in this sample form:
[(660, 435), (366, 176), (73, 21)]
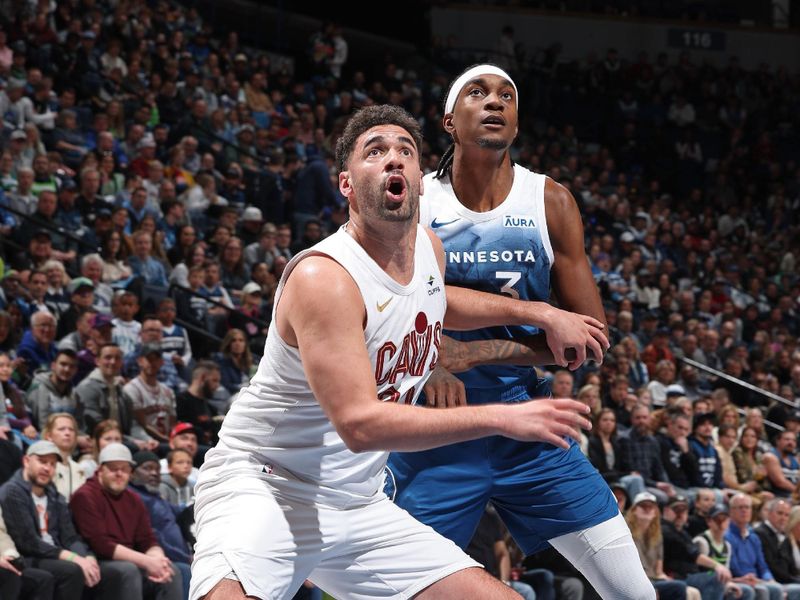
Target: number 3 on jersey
[(511, 278)]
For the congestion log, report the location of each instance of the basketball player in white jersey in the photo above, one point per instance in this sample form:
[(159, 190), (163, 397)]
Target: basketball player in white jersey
[(293, 490)]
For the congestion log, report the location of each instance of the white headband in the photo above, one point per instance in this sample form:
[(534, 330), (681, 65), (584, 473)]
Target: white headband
[(472, 73)]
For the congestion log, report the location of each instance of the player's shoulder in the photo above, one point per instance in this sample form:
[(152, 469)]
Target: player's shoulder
[(556, 193), (319, 271), (559, 202)]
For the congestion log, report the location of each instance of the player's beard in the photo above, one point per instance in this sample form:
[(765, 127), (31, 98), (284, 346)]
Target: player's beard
[(492, 143), (376, 203)]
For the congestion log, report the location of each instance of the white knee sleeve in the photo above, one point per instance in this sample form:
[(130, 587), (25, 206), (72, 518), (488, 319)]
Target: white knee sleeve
[(607, 557)]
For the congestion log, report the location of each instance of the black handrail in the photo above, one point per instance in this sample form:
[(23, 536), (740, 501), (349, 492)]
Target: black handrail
[(743, 413), (191, 292), (744, 384), (50, 227), (198, 330)]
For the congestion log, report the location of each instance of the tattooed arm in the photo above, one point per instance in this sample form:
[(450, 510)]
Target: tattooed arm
[(457, 356), (444, 390)]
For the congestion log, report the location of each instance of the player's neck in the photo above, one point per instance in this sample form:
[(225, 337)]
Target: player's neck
[(391, 245), (481, 178)]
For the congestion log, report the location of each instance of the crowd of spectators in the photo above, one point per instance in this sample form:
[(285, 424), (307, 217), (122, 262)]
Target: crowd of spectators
[(156, 176)]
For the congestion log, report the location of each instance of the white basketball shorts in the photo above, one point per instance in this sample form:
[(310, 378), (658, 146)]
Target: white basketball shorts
[(250, 529)]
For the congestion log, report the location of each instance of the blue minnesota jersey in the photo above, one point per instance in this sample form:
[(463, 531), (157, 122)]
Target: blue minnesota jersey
[(503, 251)]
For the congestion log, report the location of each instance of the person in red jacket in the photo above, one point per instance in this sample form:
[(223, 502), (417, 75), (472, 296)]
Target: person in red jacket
[(115, 523), (657, 350)]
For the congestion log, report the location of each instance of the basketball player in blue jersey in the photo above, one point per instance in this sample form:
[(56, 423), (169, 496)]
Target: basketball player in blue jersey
[(510, 231)]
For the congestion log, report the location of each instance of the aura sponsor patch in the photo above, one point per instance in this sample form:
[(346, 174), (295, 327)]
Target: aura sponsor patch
[(519, 221)]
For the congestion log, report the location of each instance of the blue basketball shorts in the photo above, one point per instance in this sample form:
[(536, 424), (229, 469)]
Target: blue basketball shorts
[(540, 491)]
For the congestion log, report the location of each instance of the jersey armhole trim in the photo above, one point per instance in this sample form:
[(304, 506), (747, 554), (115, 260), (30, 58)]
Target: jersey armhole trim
[(541, 208), (285, 278)]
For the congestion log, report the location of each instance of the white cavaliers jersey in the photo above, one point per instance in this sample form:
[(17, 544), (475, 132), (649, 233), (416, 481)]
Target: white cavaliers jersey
[(277, 420)]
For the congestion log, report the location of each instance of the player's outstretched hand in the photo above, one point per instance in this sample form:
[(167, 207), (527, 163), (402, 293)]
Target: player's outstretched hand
[(579, 333), (444, 390), (547, 420)]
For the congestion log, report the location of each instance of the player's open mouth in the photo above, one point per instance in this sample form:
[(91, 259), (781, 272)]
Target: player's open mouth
[(396, 187), (494, 120)]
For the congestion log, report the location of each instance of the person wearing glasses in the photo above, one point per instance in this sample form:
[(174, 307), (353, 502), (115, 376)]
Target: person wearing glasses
[(748, 564), (37, 348)]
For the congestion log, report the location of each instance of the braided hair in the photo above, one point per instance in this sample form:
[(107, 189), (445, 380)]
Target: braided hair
[(446, 162)]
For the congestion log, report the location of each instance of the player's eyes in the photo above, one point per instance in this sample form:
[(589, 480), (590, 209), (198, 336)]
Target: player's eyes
[(476, 92), (508, 96)]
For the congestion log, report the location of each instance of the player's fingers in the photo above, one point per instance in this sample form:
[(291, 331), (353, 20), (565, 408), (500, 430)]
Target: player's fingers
[(596, 350), (555, 440), (572, 419), (571, 432), (599, 335), (433, 392), (580, 422), (430, 396), (449, 399), (593, 322), (558, 355), (567, 404), (580, 357), (460, 396)]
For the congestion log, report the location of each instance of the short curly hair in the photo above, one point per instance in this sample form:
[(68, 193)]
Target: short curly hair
[(373, 116)]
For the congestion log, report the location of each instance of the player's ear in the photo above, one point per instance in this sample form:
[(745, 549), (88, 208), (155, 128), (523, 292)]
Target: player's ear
[(447, 123), (345, 187), (421, 185)]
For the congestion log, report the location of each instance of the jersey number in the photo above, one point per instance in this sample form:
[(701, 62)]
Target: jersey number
[(511, 278), (392, 394)]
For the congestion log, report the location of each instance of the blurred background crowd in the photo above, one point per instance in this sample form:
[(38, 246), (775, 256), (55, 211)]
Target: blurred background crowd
[(157, 174)]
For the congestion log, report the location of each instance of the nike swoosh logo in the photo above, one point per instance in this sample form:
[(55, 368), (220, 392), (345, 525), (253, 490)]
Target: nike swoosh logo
[(382, 307), (436, 224)]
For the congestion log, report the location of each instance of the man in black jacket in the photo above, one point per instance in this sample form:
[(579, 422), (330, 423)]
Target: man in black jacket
[(644, 454), (776, 546), (703, 504), (682, 557), (678, 460), (39, 521)]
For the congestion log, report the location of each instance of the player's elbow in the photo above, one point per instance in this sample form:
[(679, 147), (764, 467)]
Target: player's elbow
[(357, 434), (358, 441), (357, 445)]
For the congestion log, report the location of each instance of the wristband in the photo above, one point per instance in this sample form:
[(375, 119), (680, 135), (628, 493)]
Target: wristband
[(71, 556)]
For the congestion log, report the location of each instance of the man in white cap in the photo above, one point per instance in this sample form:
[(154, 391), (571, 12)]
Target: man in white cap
[(516, 233), (116, 525), (250, 225)]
